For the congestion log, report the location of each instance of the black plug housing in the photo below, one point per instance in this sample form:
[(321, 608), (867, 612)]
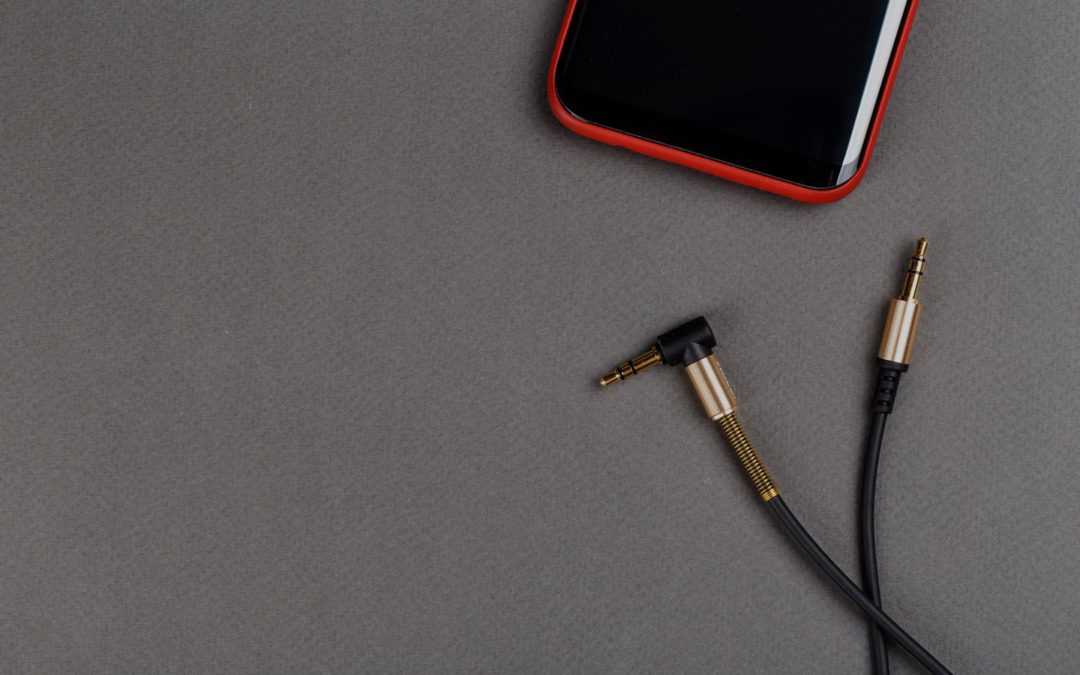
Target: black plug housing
[(686, 344)]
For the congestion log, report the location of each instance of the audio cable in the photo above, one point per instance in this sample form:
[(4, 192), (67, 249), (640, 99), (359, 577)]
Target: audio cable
[(690, 345), (894, 357)]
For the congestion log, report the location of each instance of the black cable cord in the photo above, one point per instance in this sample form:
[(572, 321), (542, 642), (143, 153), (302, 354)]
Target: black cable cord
[(867, 541), (888, 381), (890, 627), (894, 355), (690, 345)]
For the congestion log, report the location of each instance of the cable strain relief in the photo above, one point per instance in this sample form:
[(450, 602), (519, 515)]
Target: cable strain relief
[(893, 365), (888, 381)]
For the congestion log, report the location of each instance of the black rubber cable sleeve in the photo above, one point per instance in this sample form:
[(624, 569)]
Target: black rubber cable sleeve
[(891, 628), (867, 542)]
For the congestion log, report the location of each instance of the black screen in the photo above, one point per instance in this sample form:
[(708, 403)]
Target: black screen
[(773, 86)]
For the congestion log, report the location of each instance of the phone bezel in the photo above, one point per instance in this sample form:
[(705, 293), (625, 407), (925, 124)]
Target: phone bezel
[(623, 133)]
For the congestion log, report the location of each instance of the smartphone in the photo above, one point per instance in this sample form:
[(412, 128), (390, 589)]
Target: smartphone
[(783, 95)]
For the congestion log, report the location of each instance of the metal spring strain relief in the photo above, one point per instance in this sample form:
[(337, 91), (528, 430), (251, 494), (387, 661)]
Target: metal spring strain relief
[(748, 457)]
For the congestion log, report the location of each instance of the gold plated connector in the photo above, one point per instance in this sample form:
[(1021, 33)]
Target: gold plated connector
[(719, 402), (915, 271), (902, 322), (632, 367), (712, 387), (690, 344)]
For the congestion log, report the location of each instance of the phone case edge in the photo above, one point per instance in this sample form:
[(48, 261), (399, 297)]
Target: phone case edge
[(720, 169)]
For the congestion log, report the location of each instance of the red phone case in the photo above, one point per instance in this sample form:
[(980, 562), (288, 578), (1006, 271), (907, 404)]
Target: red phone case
[(734, 173)]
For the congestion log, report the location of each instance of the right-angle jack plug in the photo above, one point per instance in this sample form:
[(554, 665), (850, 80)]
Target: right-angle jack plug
[(690, 345)]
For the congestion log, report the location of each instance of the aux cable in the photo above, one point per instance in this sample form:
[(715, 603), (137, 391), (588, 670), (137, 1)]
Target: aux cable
[(690, 345)]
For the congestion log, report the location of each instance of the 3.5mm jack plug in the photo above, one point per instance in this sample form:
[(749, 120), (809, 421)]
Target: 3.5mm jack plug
[(898, 338), (630, 368), (902, 321), (690, 345)]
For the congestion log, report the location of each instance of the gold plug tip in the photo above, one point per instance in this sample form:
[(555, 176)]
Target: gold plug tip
[(915, 271), (632, 367), (902, 322)]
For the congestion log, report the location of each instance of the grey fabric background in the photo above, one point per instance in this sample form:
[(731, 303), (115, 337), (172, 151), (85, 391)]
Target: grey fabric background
[(303, 305)]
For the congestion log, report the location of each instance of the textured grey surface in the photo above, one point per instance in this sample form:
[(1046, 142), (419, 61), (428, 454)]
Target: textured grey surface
[(302, 309)]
